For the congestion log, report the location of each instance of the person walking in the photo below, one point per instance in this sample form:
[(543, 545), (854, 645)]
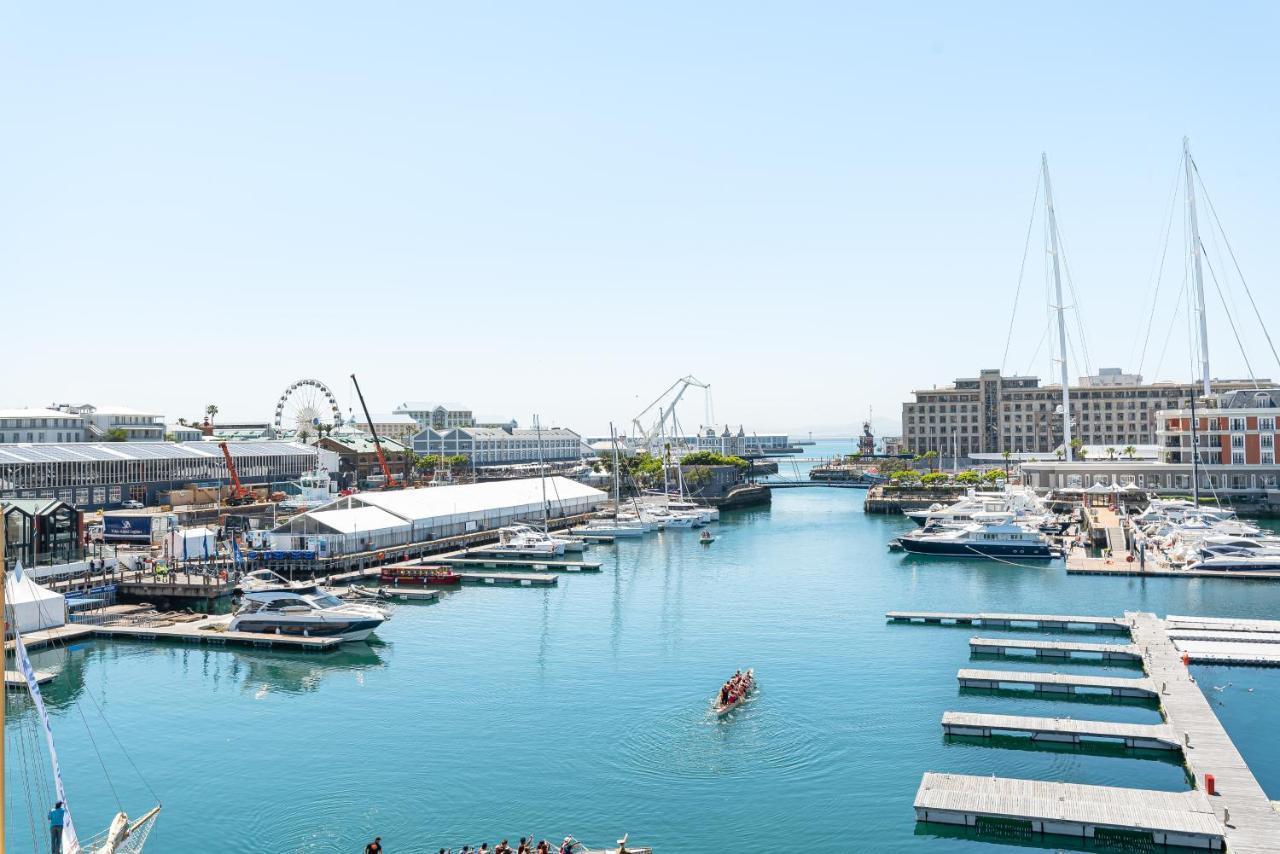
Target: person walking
[(57, 816), (374, 847)]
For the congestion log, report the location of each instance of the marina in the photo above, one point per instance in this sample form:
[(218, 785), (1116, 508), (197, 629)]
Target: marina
[(1068, 730), (1057, 683), (1054, 649)]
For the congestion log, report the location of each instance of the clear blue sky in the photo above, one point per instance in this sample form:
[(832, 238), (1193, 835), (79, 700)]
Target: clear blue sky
[(561, 207)]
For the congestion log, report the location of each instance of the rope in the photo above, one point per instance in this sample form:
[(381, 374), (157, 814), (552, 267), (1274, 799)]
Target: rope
[(1230, 319), (1232, 253), (1164, 251), (1002, 560), (1021, 268)]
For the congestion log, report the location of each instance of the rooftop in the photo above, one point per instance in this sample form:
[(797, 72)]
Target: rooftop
[(37, 412), (141, 451)]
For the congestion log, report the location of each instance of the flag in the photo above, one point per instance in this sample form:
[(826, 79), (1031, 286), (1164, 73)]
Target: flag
[(182, 533), (204, 541), (236, 556)]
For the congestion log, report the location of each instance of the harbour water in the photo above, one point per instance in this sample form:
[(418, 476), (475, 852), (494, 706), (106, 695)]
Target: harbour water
[(584, 708)]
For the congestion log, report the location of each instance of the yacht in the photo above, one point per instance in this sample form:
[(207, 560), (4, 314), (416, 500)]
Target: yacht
[(276, 606), (611, 528), (988, 535), (1241, 561), (1022, 503), (526, 541)]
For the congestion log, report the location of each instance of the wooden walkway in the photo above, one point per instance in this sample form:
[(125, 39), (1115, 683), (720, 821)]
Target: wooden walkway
[(1226, 624), (509, 579), (495, 562), (1058, 683), (1080, 562), (1070, 809), (1250, 824), (14, 679), (1216, 652), (193, 633), (1070, 730), (1011, 621), (1055, 649)]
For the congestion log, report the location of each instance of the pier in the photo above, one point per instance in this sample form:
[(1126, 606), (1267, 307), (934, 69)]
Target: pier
[(1069, 730), (491, 561), (1011, 621), (1080, 562), (1070, 809), (1055, 649), (14, 679), (509, 579), (1227, 807), (1058, 683)]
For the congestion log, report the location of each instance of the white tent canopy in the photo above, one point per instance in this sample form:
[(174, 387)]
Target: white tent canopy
[(34, 607)]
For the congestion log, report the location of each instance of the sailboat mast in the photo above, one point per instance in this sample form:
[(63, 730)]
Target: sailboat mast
[(1195, 452), (1062, 322), (1195, 255), (4, 700), (617, 482), (542, 473)]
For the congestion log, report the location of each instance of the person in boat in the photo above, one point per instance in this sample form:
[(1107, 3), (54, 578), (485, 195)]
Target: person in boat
[(374, 847), (724, 694), (57, 816)]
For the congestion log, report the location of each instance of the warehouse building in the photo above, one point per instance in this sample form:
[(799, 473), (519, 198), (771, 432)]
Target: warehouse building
[(93, 475), (377, 520), (501, 446)]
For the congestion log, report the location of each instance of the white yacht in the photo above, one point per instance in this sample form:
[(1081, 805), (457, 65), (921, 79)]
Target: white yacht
[(292, 609), (1022, 503), (524, 541), (994, 535)]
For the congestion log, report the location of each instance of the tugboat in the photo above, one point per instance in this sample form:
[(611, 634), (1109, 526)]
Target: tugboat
[(418, 575)]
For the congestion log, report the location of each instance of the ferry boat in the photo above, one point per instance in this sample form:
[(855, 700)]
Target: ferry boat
[(989, 535), (418, 575)]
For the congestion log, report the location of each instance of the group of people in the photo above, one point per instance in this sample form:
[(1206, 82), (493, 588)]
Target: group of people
[(735, 689), (526, 846)]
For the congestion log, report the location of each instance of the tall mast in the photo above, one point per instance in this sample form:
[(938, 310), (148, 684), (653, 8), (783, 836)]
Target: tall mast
[(1062, 322), (4, 699), (1195, 254), (617, 481), (542, 473), (1195, 452)]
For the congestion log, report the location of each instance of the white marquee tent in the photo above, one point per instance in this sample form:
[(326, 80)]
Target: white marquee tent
[(34, 607)]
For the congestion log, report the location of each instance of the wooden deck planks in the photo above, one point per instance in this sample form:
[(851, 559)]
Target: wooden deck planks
[(1056, 649), (1052, 621), (1156, 736), (1067, 683), (1254, 827)]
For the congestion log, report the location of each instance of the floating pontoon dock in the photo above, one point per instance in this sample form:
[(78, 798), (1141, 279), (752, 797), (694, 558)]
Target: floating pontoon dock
[(14, 679), (1070, 730), (491, 561), (1058, 683), (1055, 649), (1070, 809), (1011, 621), (509, 579)]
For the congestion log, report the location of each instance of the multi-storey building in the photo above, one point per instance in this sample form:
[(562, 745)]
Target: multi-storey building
[(437, 416), (1236, 429), (992, 413), (40, 425), (501, 446), (397, 425), (107, 422)]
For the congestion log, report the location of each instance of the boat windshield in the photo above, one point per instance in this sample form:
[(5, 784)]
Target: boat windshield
[(326, 600)]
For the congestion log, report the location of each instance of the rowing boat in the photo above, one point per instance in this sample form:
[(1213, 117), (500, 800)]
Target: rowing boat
[(726, 708)]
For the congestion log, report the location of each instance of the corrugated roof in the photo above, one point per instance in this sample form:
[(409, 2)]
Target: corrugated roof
[(111, 451), (366, 519), (363, 444)]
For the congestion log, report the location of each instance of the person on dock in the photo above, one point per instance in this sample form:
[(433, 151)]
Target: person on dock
[(374, 847), (57, 816)]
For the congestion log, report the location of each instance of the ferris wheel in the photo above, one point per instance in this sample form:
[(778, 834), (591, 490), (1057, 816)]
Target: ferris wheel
[(305, 405)]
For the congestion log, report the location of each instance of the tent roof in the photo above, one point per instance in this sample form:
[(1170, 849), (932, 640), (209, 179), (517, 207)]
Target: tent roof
[(20, 588), (356, 519)]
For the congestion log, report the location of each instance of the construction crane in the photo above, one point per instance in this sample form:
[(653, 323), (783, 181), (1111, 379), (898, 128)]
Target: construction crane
[(649, 438), (389, 481), (240, 494)]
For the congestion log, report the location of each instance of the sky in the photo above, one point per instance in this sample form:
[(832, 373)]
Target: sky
[(560, 208)]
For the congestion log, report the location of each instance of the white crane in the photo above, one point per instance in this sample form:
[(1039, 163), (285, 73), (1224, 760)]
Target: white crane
[(650, 437)]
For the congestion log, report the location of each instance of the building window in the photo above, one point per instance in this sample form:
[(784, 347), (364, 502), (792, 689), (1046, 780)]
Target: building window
[(1237, 423), (1237, 441), (1237, 458), (1267, 423), (1268, 458)]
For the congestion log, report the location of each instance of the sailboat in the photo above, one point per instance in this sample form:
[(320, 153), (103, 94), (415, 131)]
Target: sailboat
[(619, 526), (124, 835)]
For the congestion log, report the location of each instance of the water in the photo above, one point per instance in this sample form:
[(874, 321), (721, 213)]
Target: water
[(584, 708)]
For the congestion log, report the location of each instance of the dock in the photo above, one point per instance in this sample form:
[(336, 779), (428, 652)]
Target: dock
[(488, 561), (509, 579), (1012, 621), (1080, 562), (1102, 813), (197, 632), (1055, 649), (1069, 730), (14, 679), (1254, 826), (1059, 683)]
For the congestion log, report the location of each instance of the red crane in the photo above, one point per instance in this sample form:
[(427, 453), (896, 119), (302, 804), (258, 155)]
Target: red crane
[(240, 494), (389, 481)]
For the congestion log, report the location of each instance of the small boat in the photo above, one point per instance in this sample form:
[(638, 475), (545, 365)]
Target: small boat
[(418, 575), (723, 709), (707, 538)]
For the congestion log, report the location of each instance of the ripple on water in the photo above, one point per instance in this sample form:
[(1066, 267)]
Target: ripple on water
[(694, 744)]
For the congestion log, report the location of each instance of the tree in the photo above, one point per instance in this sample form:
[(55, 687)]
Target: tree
[(211, 410), (1059, 453), (1130, 451), (303, 435), (117, 434), (1078, 449), (1006, 453), (992, 475), (934, 478), (457, 461), (182, 422), (170, 437), (931, 458), (968, 476), (1111, 453), (427, 462), (904, 477), (712, 458)]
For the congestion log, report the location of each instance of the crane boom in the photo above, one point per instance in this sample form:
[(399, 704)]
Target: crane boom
[(391, 482), (239, 493), (683, 385)]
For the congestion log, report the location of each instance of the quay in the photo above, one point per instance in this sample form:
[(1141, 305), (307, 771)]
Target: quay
[(1079, 562), (1055, 649), (1069, 730), (1011, 621), (1101, 813), (1059, 683)]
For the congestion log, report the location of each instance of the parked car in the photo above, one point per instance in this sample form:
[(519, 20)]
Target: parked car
[(132, 505)]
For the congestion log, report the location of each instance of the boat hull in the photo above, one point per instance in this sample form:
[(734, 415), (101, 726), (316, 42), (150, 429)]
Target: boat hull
[(348, 630), (949, 548)]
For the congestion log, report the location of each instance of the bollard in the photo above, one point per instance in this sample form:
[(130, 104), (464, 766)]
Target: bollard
[(1210, 785)]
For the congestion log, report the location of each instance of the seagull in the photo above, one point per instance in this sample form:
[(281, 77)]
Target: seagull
[(1219, 687)]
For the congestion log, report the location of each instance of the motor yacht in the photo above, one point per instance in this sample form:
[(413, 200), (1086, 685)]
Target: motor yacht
[(523, 540), (988, 535), (307, 612)]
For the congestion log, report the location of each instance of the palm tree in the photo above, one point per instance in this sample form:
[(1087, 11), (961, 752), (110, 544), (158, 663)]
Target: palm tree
[(1130, 451), (211, 411), (182, 422), (1006, 453), (1111, 453)]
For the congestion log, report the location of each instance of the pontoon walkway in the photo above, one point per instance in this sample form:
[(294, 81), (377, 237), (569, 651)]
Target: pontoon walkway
[(1070, 730), (1059, 683)]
